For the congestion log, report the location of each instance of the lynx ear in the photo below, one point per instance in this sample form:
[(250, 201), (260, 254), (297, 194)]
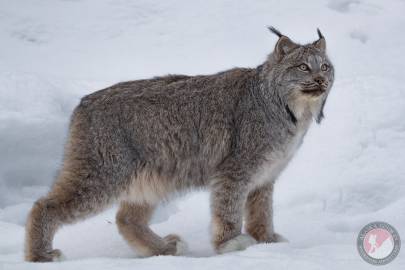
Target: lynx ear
[(321, 42), (284, 44)]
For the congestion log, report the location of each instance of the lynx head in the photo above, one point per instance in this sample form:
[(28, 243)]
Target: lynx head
[(302, 75)]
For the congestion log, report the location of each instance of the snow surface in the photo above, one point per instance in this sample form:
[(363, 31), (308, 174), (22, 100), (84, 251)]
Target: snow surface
[(349, 172)]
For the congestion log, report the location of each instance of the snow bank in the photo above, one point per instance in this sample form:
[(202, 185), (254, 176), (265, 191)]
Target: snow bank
[(348, 173)]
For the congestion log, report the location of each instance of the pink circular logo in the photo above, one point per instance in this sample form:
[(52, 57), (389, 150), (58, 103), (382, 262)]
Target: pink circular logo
[(378, 243)]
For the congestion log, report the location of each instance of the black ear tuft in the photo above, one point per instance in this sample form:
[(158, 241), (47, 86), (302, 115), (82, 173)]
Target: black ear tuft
[(275, 31), (319, 33), (321, 42)]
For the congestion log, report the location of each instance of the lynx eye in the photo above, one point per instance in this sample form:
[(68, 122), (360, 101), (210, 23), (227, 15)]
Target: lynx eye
[(325, 67), (303, 67)]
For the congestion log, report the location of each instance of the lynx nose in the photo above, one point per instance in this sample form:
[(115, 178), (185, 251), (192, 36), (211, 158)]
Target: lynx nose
[(319, 80)]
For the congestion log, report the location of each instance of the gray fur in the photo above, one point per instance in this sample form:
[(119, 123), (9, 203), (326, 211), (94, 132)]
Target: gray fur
[(138, 142)]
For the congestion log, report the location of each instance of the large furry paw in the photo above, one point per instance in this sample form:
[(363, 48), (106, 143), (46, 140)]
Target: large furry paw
[(240, 242), (175, 245), (49, 256)]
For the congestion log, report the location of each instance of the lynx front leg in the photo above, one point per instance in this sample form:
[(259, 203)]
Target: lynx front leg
[(259, 215), (227, 199)]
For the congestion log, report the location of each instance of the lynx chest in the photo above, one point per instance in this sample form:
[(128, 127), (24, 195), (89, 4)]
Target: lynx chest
[(276, 161)]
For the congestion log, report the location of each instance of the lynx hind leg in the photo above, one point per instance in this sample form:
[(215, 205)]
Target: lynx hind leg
[(66, 203), (79, 192), (41, 226), (96, 168), (132, 222)]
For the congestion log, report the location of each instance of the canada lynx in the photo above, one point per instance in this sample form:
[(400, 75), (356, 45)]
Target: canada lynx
[(138, 142)]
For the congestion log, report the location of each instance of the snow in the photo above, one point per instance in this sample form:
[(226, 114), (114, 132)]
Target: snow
[(348, 173)]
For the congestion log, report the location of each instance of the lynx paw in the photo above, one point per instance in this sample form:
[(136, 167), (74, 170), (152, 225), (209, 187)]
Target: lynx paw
[(50, 256), (175, 245), (278, 238), (240, 242)]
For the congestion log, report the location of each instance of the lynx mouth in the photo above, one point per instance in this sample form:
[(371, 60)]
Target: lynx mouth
[(313, 92)]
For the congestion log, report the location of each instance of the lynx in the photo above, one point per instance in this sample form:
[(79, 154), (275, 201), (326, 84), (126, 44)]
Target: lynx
[(137, 143)]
